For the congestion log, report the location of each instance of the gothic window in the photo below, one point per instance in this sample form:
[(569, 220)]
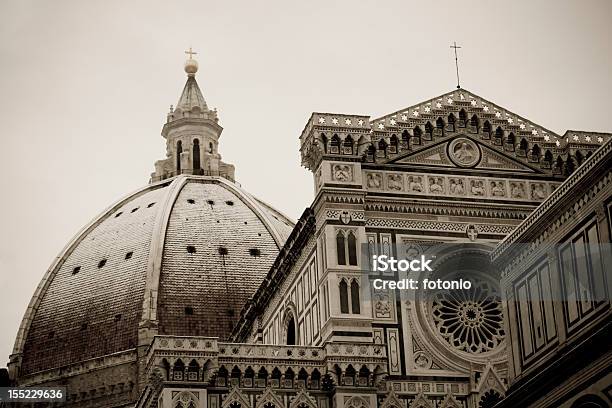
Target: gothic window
[(291, 332), (178, 370), (548, 157), (382, 148), (462, 117), (211, 148), (473, 322), (348, 145), (344, 302), (193, 370), (451, 122), (486, 127), (523, 146), (334, 145), (196, 156), (511, 140), (352, 248), (324, 142), (535, 152), (370, 153), (569, 167), (429, 128), (474, 123), (489, 399), (179, 150), (578, 156), (340, 248), (440, 124), (417, 133), (405, 139), (355, 297), (499, 134), (393, 143)]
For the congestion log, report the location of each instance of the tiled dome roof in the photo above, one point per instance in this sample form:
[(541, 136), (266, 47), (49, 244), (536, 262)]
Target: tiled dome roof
[(183, 255)]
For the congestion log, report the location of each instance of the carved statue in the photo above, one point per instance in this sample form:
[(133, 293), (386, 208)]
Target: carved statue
[(497, 189), (342, 172), (517, 190), (374, 180), (537, 192), (477, 187), (435, 185), (415, 184), (395, 182), (456, 186)]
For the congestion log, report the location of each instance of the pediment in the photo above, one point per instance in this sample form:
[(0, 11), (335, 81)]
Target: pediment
[(463, 151)]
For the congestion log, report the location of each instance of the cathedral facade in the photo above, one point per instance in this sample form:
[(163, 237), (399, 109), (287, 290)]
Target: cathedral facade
[(212, 298)]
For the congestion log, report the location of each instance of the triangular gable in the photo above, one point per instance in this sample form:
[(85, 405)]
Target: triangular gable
[(462, 96), (437, 155), (490, 380), (236, 396)]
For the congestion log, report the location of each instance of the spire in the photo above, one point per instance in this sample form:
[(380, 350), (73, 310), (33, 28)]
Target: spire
[(191, 96)]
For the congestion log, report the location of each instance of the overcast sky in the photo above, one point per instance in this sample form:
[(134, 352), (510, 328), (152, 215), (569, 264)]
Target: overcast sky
[(85, 87)]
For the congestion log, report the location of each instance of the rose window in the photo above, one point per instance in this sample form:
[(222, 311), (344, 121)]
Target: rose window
[(470, 320)]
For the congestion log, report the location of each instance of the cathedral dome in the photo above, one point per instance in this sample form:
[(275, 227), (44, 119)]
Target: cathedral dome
[(179, 257)]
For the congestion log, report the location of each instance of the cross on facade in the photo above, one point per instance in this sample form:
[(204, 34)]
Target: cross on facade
[(455, 46), (191, 53)]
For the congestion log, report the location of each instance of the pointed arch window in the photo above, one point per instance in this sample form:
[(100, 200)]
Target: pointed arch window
[(196, 156), (355, 306), (344, 298), (416, 134), (340, 248), (486, 128), (382, 148), (179, 150), (405, 140), (334, 145), (451, 122), (393, 144), (474, 123), (348, 145), (535, 153), (429, 129), (499, 134), (352, 248), (462, 117), (548, 157), (291, 332), (324, 142), (370, 153)]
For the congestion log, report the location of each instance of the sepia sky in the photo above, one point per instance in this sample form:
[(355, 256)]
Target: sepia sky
[(85, 87)]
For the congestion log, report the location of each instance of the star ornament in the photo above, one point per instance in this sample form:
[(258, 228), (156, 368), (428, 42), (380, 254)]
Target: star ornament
[(347, 121), (393, 122), (360, 121), (575, 138), (587, 138), (486, 109), (404, 118), (497, 115), (546, 138), (510, 120), (600, 139), (427, 109), (558, 143), (522, 126), (335, 121), (321, 120), (473, 103), (381, 126), (450, 101), (534, 132), (438, 105), (415, 113)]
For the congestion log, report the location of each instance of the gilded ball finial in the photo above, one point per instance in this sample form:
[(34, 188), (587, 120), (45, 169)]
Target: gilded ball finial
[(191, 65)]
